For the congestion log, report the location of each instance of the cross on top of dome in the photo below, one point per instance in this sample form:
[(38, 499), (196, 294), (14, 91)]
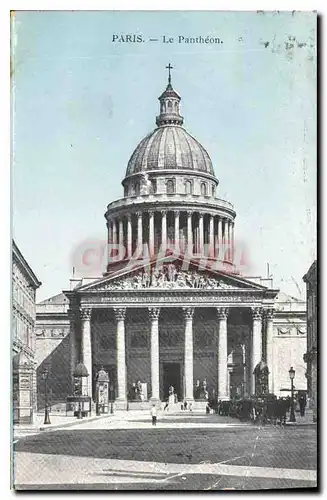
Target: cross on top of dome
[(169, 105), (169, 67)]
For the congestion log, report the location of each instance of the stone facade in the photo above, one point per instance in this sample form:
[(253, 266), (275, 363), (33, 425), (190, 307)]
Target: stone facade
[(310, 357), (52, 349), (171, 307), (24, 286)]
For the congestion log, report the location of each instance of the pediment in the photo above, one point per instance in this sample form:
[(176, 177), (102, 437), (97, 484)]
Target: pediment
[(170, 275)]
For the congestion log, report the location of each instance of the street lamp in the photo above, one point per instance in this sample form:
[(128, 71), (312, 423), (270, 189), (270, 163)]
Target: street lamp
[(292, 375), (45, 376)]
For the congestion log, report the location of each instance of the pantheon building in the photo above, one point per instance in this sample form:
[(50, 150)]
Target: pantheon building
[(172, 308)]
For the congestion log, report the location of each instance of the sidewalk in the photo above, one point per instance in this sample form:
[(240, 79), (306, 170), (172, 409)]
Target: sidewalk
[(57, 422), (306, 420)]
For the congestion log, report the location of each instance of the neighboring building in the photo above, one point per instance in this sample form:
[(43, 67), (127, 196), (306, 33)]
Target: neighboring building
[(24, 286), (310, 356), (173, 309), (52, 349)]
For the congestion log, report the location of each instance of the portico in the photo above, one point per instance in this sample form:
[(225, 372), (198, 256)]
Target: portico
[(211, 333)]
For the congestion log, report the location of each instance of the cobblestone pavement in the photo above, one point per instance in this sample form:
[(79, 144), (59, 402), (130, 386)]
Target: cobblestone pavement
[(184, 451)]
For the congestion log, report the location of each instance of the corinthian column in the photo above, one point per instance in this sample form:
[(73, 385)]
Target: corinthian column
[(200, 233), (177, 242), (256, 342), (72, 315), (86, 348), (211, 237), (139, 233), (151, 234), (228, 243), (189, 234), (223, 389), (163, 230), (129, 235), (188, 353), (269, 347), (121, 233), (232, 242), (154, 319), (114, 232), (109, 226), (220, 239), (121, 355)]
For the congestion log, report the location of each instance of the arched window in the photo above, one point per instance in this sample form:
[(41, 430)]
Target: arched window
[(203, 189), (170, 186), (176, 106), (188, 187), (170, 105), (137, 188), (213, 190), (163, 107)]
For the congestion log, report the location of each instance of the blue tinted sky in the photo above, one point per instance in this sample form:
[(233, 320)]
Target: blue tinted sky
[(82, 103)]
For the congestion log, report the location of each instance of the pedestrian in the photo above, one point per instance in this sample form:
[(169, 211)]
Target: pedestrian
[(154, 415), (302, 403)]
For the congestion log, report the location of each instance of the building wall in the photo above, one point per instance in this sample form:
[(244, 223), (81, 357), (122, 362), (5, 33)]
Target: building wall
[(24, 286), (310, 356), (52, 350), (289, 345)]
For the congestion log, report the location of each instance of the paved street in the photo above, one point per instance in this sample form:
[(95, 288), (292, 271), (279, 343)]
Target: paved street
[(191, 452)]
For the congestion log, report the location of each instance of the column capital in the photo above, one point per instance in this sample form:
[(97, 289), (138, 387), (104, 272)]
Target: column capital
[(86, 313), (257, 313), (201, 214), (120, 313), (222, 312), (164, 212), (269, 313), (188, 312), (151, 213), (128, 216), (138, 214), (189, 213), (176, 213), (154, 313)]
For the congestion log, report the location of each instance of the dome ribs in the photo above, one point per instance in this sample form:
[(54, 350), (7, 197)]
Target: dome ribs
[(161, 149), (148, 156)]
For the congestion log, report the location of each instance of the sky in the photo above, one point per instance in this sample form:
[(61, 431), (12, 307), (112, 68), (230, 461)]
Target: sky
[(82, 103)]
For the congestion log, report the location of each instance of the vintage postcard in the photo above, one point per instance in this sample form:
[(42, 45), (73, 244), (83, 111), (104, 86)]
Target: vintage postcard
[(164, 273)]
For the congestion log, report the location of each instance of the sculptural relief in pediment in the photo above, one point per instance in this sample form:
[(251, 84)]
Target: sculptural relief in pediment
[(167, 277)]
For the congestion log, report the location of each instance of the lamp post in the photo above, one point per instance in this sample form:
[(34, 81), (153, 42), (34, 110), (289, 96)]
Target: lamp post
[(45, 376), (292, 375)]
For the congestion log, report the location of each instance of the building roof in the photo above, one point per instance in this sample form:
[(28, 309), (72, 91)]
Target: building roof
[(34, 282), (169, 147), (58, 299)]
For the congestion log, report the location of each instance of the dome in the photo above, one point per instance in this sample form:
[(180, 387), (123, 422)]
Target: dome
[(169, 147)]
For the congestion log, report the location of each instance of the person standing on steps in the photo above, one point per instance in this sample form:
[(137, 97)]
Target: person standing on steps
[(154, 415)]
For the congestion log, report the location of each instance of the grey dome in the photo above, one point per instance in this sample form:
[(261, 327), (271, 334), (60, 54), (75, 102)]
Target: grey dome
[(169, 148)]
